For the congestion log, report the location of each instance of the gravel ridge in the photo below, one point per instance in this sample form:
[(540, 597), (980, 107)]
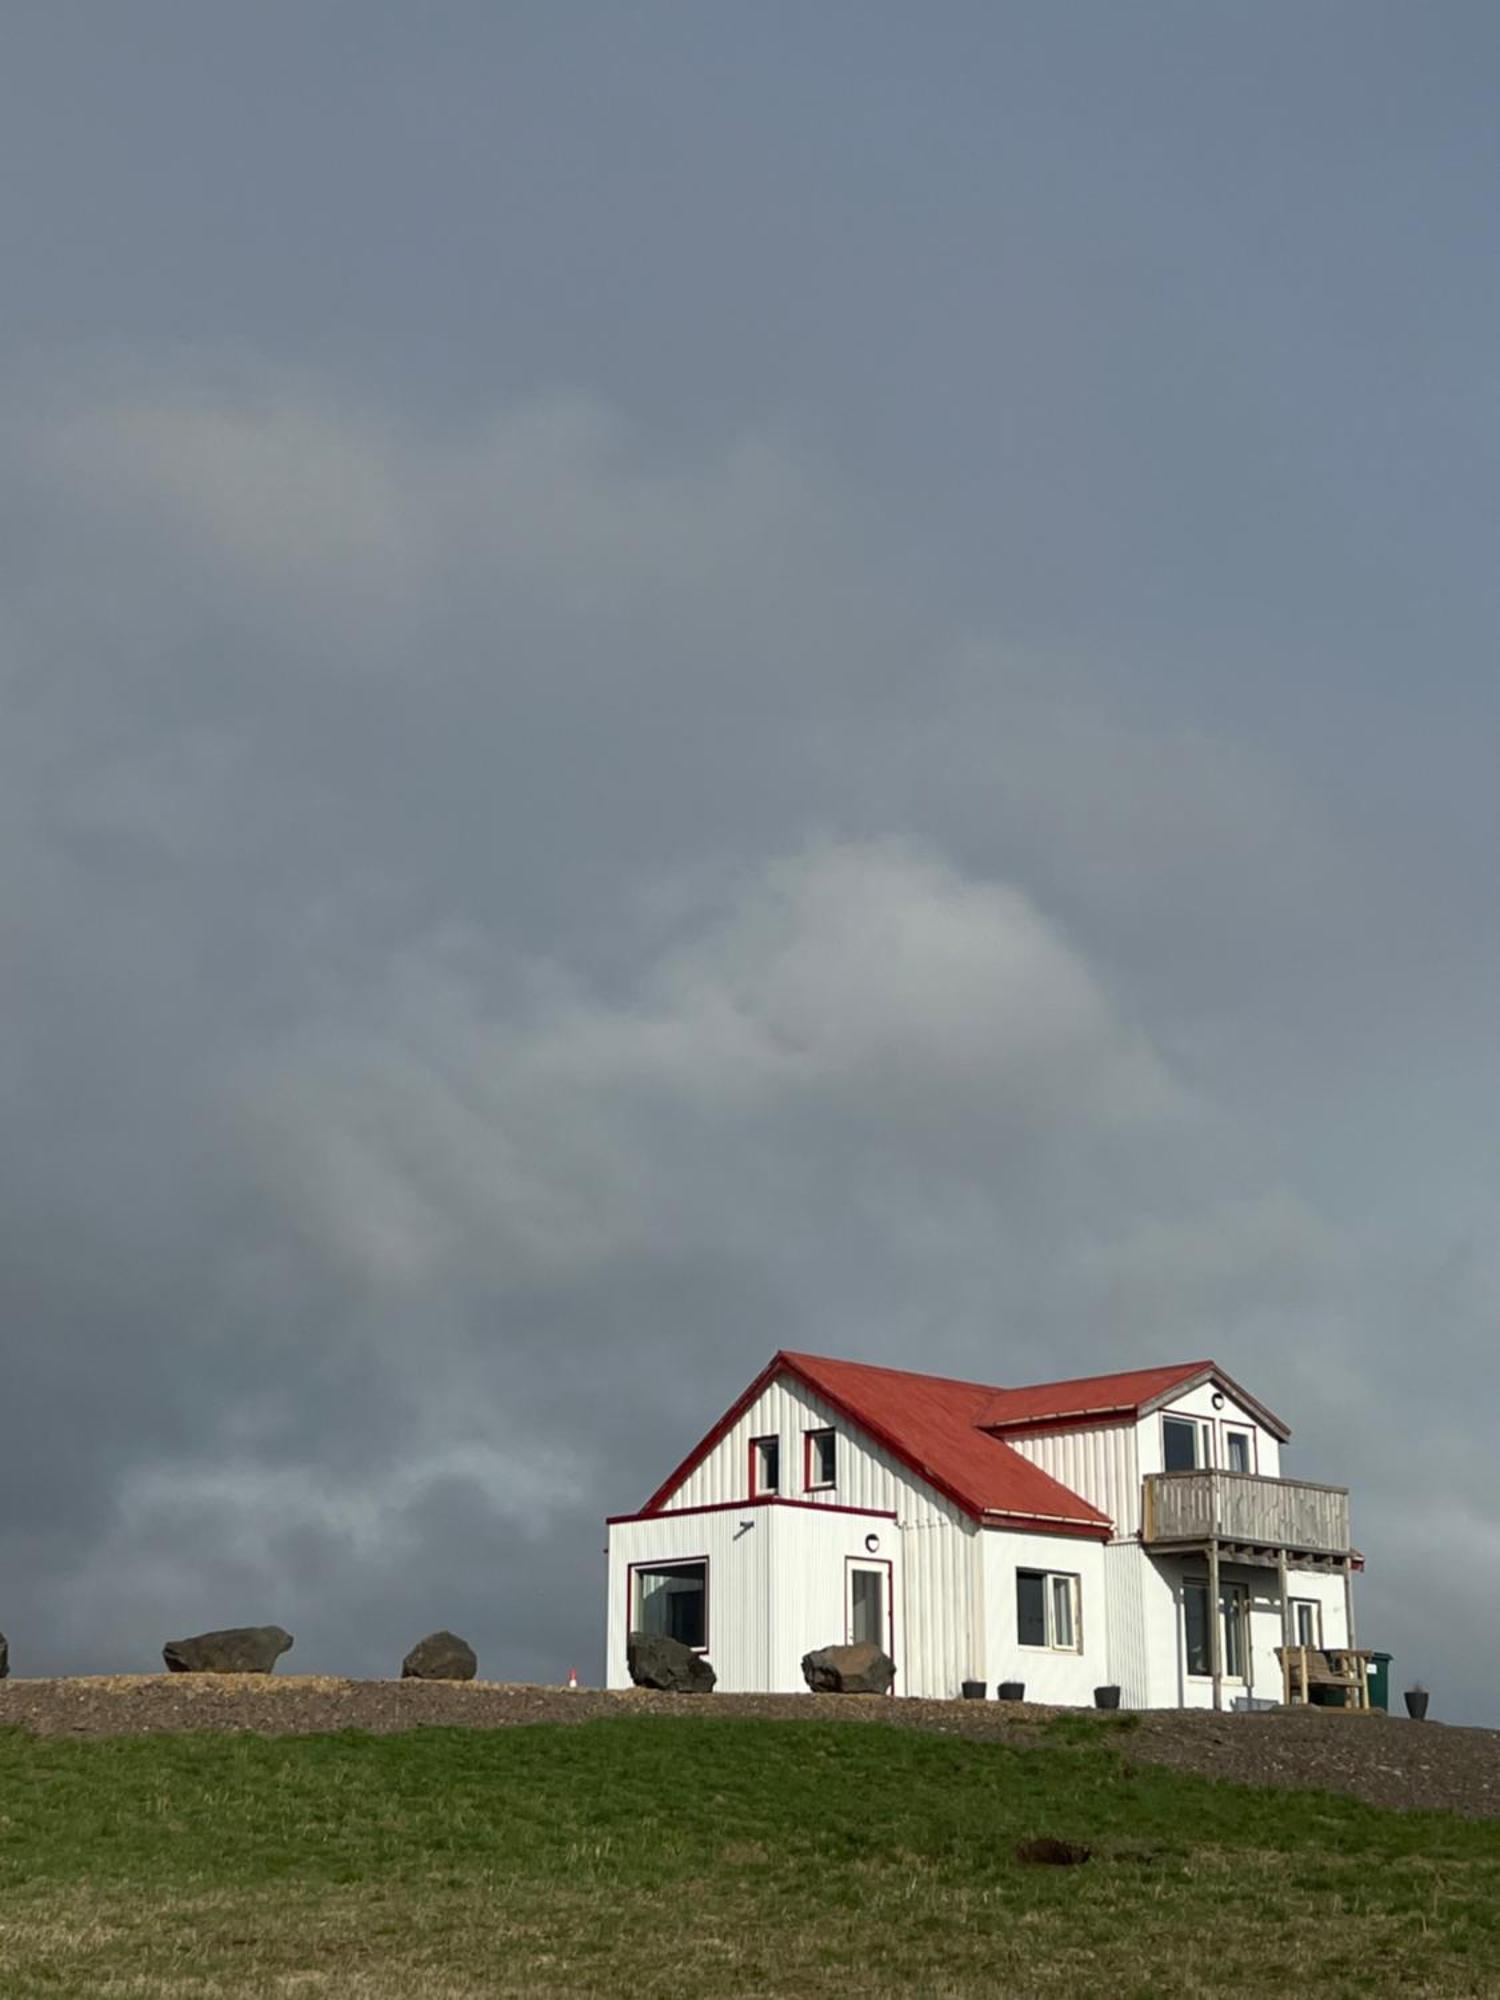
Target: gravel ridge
[(1384, 1760)]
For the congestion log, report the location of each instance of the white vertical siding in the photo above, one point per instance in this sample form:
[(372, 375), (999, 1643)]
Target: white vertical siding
[(813, 1548), (943, 1645), (778, 1589), (1066, 1678), (1098, 1464), (1125, 1582), (867, 1475), (739, 1586)]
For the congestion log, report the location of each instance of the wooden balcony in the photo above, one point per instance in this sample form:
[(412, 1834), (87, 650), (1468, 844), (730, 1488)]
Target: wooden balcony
[(1254, 1520)]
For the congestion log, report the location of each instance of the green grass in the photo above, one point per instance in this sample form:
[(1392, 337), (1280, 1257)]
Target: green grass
[(658, 1857)]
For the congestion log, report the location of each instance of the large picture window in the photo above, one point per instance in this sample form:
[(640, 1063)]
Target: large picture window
[(670, 1601), (1047, 1610)]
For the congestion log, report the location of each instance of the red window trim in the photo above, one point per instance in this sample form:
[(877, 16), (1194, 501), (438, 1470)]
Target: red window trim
[(809, 1484), (753, 1486), (670, 1562)]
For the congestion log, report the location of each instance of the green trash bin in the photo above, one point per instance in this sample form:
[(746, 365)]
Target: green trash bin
[(1380, 1681)]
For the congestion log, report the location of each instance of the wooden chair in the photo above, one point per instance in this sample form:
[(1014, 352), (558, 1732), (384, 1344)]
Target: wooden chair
[(1305, 1667)]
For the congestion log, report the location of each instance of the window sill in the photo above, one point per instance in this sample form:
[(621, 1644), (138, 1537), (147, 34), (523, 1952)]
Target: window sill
[(827, 1486)]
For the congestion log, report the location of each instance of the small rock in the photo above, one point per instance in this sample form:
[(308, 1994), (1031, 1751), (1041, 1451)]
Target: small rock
[(441, 1656), (243, 1649), (861, 1669), (667, 1664)]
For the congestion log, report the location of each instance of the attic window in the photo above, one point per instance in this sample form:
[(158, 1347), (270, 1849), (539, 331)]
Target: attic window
[(821, 1462), (765, 1466)]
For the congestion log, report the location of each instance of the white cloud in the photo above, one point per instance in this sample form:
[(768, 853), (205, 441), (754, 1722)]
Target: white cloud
[(854, 988)]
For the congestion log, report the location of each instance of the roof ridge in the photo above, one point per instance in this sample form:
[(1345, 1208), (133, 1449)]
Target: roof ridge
[(803, 1358)]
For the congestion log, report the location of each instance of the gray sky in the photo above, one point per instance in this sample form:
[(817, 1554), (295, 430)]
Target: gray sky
[(682, 679)]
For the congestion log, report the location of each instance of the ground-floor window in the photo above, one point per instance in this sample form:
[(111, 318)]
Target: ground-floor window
[(1307, 1621), (1047, 1610), (670, 1601), (1234, 1611)]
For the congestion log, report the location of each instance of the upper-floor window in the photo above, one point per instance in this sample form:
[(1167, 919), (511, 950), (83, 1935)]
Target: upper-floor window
[(1047, 1610), (821, 1465), (1184, 1444), (765, 1466), (1239, 1449)]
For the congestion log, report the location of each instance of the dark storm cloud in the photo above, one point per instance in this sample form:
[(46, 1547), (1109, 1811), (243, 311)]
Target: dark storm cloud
[(520, 899)]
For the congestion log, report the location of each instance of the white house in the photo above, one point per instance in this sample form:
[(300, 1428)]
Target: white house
[(1067, 1535)]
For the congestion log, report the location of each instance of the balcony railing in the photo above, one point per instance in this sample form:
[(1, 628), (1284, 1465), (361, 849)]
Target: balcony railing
[(1242, 1508)]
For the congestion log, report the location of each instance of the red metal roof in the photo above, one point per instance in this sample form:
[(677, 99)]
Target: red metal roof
[(933, 1425), (1099, 1398)]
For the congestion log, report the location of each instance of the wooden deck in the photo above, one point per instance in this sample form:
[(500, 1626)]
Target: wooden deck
[(1260, 1519)]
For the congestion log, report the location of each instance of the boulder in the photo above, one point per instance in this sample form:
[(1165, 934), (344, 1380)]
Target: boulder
[(244, 1649), (861, 1669), (4, 1657), (441, 1656), (667, 1664)]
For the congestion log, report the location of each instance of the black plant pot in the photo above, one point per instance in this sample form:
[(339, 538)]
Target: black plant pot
[(1416, 1704), (1107, 1697), (975, 1690), (1012, 1690)]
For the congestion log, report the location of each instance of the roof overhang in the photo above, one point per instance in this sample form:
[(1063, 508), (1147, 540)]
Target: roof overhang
[(1100, 1530)]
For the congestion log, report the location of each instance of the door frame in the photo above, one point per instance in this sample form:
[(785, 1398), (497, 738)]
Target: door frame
[(853, 1563)]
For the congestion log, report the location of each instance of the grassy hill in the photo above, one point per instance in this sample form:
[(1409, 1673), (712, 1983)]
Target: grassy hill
[(669, 1857)]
